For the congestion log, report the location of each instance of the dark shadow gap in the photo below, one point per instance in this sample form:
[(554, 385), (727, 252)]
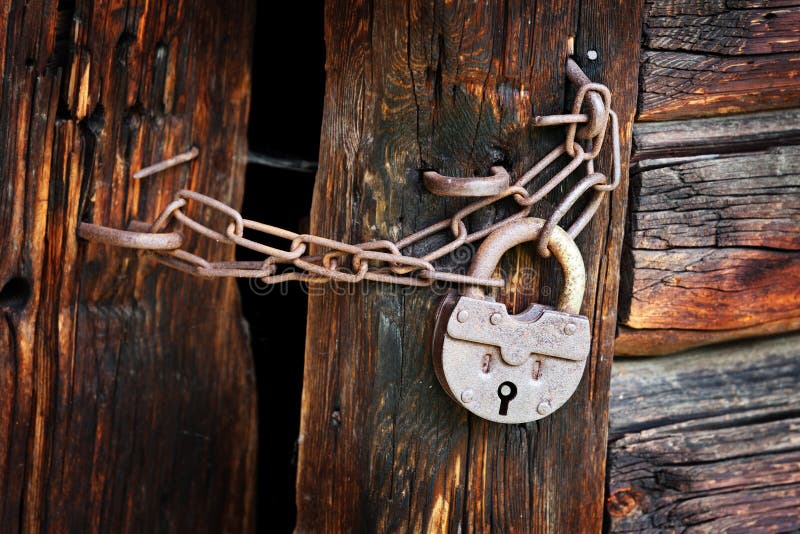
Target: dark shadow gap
[(285, 121)]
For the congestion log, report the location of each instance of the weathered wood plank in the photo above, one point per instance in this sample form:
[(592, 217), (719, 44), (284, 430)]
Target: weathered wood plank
[(659, 341), (678, 85), (127, 399), (711, 58), (712, 251), (712, 289), (737, 200), (714, 135), (450, 86), (707, 440), (719, 27)]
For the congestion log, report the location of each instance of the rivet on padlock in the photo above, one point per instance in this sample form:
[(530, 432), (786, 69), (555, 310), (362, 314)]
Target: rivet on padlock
[(513, 368)]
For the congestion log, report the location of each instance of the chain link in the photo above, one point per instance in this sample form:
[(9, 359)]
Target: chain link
[(383, 260)]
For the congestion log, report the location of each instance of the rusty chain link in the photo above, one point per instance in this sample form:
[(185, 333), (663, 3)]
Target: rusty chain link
[(383, 260)]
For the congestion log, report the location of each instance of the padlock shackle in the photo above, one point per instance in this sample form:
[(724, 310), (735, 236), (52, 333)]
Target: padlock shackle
[(561, 245)]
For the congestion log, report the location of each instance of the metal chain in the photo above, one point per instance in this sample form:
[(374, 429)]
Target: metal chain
[(383, 260)]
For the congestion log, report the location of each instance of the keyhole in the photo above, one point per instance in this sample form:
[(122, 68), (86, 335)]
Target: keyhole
[(507, 391)]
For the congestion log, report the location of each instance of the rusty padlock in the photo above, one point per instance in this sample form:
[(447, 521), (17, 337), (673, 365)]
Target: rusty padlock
[(513, 368)]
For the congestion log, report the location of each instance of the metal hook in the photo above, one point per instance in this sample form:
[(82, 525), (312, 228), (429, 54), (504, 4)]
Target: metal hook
[(129, 239)]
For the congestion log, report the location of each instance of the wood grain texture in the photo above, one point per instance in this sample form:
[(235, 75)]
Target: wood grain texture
[(707, 441), (736, 200), (654, 142), (660, 341), (713, 289), (449, 86), (712, 250), (711, 58), (127, 399)]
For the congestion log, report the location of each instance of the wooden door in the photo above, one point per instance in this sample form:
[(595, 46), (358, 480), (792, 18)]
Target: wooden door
[(127, 399), (449, 86)]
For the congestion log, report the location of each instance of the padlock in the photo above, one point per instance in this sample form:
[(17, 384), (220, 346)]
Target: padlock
[(513, 368)]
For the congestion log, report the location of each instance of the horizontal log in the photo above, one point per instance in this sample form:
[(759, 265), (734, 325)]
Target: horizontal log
[(712, 289), (715, 135), (722, 28), (658, 341), (706, 440), (713, 243), (710, 58), (737, 200), (679, 85)]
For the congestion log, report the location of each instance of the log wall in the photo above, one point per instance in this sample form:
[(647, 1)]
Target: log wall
[(706, 441), (711, 246), (715, 57)]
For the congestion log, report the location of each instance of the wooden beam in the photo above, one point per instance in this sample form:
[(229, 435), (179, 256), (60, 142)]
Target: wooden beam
[(449, 86), (703, 59), (705, 288), (735, 200), (707, 440), (661, 341), (712, 244), (655, 141), (127, 399)]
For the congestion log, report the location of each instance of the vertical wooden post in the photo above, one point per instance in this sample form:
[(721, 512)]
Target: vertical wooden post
[(127, 399), (450, 86)]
